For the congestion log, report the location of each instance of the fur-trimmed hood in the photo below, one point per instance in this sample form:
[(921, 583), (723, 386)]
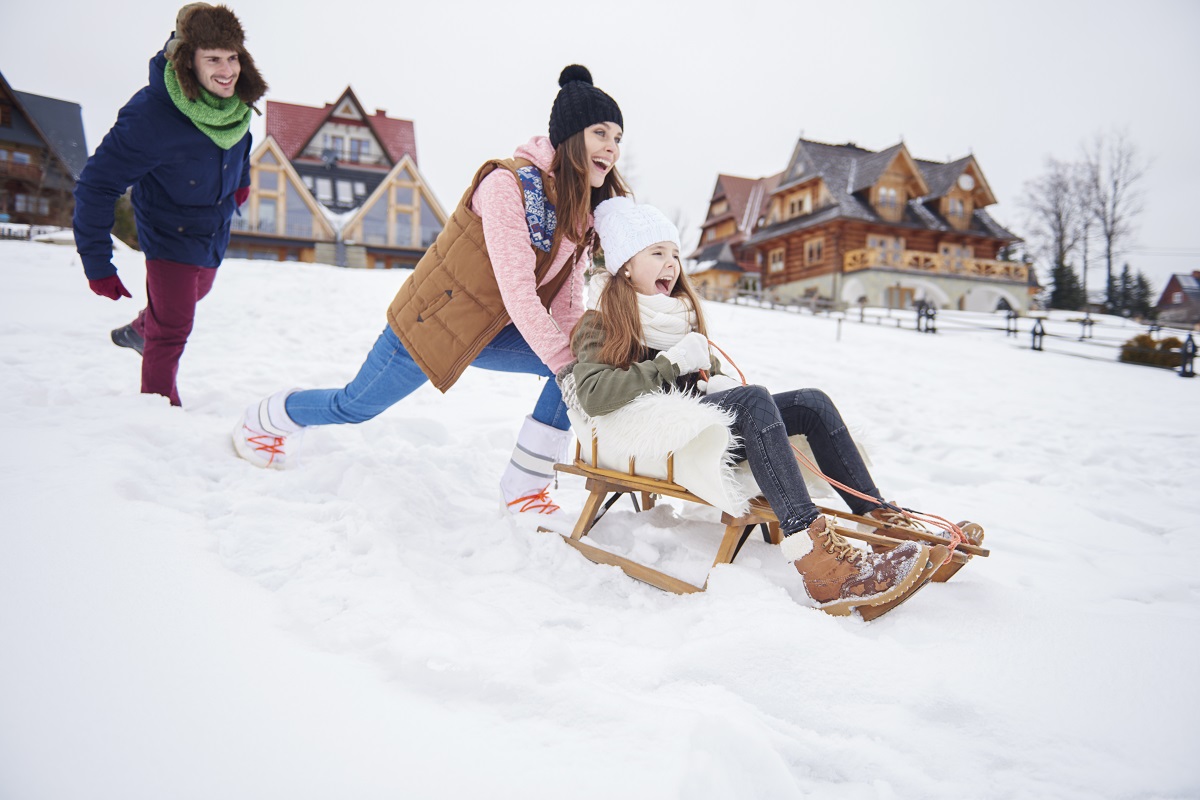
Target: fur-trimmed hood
[(204, 27)]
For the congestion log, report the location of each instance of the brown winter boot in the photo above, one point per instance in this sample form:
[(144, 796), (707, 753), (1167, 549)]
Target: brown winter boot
[(898, 526), (842, 578)]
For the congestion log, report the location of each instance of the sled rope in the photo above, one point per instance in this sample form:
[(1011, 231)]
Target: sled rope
[(956, 535)]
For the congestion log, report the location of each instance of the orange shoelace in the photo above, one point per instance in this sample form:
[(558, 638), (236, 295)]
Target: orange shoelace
[(265, 443), (539, 503)]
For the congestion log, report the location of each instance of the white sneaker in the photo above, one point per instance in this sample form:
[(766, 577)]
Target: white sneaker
[(266, 436)]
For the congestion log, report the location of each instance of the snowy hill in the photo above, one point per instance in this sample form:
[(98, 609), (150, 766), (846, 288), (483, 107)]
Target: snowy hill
[(176, 623)]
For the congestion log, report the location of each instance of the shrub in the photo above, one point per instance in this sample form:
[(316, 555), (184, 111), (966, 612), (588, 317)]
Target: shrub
[(1142, 349)]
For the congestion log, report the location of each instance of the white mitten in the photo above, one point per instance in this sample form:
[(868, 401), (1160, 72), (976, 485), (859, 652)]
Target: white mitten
[(690, 353), (717, 383)]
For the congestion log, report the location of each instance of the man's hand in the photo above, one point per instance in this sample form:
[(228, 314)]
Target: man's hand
[(110, 287)]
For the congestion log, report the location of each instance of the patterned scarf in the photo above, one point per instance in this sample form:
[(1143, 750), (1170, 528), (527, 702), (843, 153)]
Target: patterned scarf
[(665, 320), (225, 120)]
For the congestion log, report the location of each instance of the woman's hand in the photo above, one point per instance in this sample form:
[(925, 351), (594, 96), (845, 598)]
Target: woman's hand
[(690, 353)]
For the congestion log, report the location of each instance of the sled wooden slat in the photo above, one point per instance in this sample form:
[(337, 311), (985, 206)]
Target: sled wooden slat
[(961, 552)]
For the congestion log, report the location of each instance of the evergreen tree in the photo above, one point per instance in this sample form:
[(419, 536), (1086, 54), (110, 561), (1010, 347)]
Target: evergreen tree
[(1141, 300), (1068, 291), (1121, 297)]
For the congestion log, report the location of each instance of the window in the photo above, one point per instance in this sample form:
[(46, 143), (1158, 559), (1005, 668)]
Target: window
[(3, 155), (718, 208), (430, 227), (266, 214), (360, 189), (956, 207), (775, 259), (360, 150), (1176, 298), (268, 180), (374, 225), (298, 219), (21, 158), (888, 198), (814, 250), (308, 181), (798, 205), (402, 232), (345, 193), (268, 159), (325, 190), (404, 196), (336, 143), (891, 249)]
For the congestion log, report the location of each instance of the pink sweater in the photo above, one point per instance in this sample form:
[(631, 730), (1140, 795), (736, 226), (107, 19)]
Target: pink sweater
[(499, 201)]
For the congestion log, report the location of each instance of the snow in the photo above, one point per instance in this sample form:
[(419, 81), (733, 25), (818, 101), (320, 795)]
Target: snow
[(177, 623)]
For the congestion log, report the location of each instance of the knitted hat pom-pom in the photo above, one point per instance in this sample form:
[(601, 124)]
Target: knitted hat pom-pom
[(575, 72)]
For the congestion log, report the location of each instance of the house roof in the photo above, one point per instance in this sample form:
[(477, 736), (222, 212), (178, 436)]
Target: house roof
[(847, 170), (1189, 284), (59, 123), (293, 127), (718, 257)]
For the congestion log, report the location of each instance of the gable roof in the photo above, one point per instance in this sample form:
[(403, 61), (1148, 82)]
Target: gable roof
[(294, 126), (848, 169), (59, 123)]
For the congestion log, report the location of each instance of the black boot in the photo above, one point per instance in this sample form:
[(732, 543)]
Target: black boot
[(128, 337)]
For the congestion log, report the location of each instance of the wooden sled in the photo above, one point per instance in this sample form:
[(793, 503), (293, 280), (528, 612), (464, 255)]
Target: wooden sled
[(606, 486)]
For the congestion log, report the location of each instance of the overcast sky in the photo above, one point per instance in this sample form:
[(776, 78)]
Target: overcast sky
[(705, 87)]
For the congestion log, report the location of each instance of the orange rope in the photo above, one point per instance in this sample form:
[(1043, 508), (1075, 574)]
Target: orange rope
[(956, 535)]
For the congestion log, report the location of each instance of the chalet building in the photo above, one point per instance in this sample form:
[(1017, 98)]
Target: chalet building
[(1180, 301), (847, 225), (42, 152), (339, 186), (724, 268)]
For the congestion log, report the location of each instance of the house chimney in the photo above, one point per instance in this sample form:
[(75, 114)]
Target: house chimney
[(381, 112)]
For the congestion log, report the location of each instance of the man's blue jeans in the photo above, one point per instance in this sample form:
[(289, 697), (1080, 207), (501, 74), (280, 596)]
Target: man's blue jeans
[(389, 375)]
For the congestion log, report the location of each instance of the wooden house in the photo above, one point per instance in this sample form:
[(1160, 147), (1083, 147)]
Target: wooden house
[(846, 225), (1179, 304), (723, 267), (42, 152), (339, 186)]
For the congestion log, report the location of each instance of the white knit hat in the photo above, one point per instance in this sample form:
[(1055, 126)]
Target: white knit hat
[(626, 229)]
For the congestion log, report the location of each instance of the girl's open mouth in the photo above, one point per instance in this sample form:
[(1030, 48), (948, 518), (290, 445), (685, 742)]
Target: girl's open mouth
[(663, 285)]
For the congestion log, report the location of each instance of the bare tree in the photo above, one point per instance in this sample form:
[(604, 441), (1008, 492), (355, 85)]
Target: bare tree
[(1114, 169), (1058, 209)]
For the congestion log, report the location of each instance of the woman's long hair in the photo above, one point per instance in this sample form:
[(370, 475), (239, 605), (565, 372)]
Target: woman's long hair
[(576, 197), (622, 324)]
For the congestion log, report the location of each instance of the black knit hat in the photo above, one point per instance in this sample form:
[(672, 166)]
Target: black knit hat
[(579, 104)]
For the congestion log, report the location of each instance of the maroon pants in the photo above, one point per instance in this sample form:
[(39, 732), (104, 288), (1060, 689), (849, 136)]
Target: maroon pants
[(172, 291)]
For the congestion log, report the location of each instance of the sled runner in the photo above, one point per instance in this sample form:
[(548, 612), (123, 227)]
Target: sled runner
[(606, 486)]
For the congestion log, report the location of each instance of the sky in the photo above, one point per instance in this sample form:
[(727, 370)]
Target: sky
[(704, 88)]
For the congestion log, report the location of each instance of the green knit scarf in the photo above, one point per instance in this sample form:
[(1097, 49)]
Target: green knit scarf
[(225, 120)]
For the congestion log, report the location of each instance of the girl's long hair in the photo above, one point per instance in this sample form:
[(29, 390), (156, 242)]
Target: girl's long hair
[(622, 324), (576, 197)]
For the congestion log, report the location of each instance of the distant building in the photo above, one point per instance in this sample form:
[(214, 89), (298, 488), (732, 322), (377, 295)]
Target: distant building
[(42, 152), (338, 186), (1180, 301), (843, 225)]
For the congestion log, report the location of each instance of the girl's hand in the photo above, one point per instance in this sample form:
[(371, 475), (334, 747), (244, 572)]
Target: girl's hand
[(690, 354)]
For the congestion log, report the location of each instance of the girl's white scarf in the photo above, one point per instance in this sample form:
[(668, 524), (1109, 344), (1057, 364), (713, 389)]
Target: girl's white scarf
[(665, 320)]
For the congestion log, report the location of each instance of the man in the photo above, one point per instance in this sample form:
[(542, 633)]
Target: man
[(183, 144)]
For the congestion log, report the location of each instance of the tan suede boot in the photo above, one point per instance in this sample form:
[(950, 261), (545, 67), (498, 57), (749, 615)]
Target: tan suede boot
[(898, 526), (841, 578)]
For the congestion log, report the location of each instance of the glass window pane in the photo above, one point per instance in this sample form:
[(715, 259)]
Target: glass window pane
[(268, 180), (298, 219), (374, 226), (345, 193), (268, 159), (325, 190), (404, 195), (266, 215), (430, 227), (402, 230)]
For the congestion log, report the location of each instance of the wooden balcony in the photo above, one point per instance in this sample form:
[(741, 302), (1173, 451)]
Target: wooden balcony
[(23, 172), (935, 264)]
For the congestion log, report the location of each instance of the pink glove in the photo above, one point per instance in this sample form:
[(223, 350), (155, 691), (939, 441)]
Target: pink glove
[(241, 196), (110, 287)]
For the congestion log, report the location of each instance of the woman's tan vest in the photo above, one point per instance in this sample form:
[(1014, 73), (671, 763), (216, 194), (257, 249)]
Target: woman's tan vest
[(450, 307)]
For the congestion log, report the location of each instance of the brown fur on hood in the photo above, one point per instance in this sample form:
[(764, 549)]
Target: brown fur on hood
[(205, 27)]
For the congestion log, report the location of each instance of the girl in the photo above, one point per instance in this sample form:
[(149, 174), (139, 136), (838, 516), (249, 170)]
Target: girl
[(499, 289), (648, 334)]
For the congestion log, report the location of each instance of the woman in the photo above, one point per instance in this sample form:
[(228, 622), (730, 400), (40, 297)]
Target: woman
[(648, 334), (499, 289)]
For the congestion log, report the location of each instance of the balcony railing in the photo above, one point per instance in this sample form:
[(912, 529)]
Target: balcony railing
[(935, 263), (25, 172)]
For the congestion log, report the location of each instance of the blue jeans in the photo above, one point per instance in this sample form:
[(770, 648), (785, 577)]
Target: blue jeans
[(389, 375), (764, 421)]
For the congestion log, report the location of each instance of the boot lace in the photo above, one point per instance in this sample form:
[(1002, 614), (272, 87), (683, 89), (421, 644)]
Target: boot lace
[(837, 546), (539, 503), (265, 443)]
